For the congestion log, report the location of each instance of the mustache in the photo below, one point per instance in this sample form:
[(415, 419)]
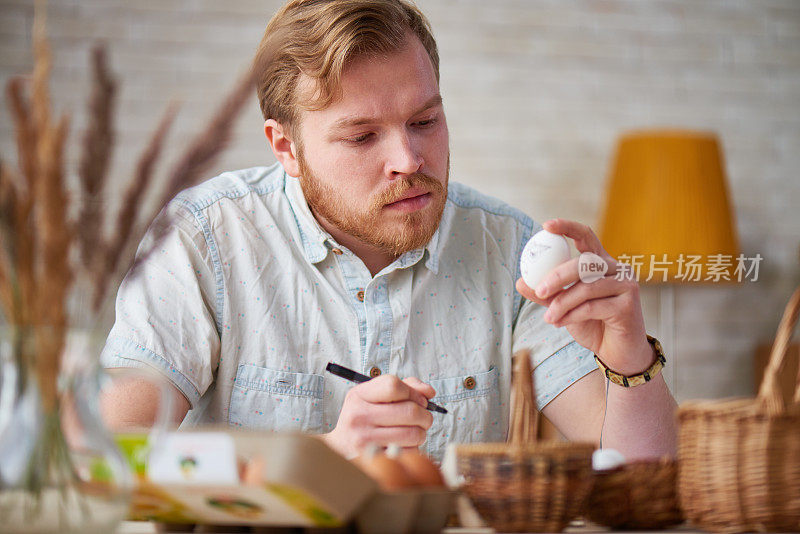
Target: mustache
[(400, 187)]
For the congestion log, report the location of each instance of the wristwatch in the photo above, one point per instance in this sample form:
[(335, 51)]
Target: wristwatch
[(638, 379)]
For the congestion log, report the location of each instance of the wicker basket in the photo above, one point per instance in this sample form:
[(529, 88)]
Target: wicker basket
[(740, 459), (539, 488), (638, 495), (524, 486)]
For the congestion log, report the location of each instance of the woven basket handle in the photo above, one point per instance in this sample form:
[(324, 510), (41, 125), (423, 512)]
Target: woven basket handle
[(769, 394), (524, 420)]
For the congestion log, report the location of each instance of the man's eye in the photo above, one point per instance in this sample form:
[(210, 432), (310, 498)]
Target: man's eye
[(426, 122), (358, 139)]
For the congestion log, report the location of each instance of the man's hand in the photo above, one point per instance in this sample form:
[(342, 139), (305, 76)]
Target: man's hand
[(383, 410), (604, 316)]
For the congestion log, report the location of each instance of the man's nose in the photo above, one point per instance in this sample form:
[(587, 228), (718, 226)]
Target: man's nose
[(404, 156)]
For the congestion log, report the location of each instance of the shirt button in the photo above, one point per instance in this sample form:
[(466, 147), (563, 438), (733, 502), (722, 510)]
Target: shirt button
[(360, 296), (374, 372), (337, 251), (469, 382)]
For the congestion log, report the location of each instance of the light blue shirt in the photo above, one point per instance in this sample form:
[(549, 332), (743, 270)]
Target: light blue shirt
[(248, 298)]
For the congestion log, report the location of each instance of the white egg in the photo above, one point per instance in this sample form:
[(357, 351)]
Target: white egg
[(604, 459), (543, 252)]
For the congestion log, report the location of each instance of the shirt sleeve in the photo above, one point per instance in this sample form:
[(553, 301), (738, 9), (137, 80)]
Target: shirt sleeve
[(557, 359), (167, 307)]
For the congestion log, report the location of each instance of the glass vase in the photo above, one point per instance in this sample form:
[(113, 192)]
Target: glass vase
[(60, 469)]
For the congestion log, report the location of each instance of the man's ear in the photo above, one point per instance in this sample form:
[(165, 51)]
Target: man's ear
[(284, 148)]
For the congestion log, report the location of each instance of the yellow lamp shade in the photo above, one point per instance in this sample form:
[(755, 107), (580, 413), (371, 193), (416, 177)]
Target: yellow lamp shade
[(667, 206)]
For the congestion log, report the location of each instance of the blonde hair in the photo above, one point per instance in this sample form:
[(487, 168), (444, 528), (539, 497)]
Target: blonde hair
[(318, 38)]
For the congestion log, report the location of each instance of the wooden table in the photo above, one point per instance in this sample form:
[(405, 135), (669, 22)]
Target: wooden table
[(139, 527)]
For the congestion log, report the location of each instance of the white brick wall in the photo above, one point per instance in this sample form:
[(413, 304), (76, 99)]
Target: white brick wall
[(536, 93)]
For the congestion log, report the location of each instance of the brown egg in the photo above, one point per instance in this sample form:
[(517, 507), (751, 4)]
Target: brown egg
[(387, 472), (241, 467), (421, 469), (253, 472)]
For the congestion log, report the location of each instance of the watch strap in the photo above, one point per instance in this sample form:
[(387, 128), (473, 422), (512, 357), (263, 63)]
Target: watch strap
[(637, 379)]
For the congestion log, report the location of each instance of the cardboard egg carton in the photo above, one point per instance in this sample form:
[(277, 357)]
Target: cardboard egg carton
[(259, 479)]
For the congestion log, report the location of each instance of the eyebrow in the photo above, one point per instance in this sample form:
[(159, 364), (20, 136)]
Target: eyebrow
[(353, 120)]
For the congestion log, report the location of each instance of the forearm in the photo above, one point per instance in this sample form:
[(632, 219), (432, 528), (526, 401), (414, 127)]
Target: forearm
[(640, 421)]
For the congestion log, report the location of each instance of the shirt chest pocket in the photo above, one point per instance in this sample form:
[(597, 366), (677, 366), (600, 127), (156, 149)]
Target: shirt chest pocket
[(473, 406), (276, 400)]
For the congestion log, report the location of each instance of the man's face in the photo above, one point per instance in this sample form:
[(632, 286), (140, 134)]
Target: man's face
[(374, 164)]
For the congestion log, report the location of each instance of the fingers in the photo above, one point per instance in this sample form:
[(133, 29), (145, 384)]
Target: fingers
[(529, 293), (389, 388), (558, 278), (382, 411), (584, 237), (391, 414), (595, 309), (391, 402), (565, 301), (420, 386), (404, 436), (567, 274)]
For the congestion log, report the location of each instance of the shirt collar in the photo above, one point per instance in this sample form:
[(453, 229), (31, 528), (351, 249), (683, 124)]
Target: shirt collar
[(311, 233), (317, 242), (432, 248)]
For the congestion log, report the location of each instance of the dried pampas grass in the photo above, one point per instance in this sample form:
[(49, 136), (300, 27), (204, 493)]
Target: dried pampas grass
[(8, 199), (19, 234), (202, 152), (54, 253), (190, 168), (125, 226), (98, 143), (204, 148), (43, 250)]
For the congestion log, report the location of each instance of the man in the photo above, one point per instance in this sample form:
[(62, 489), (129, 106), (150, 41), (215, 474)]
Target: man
[(355, 248)]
